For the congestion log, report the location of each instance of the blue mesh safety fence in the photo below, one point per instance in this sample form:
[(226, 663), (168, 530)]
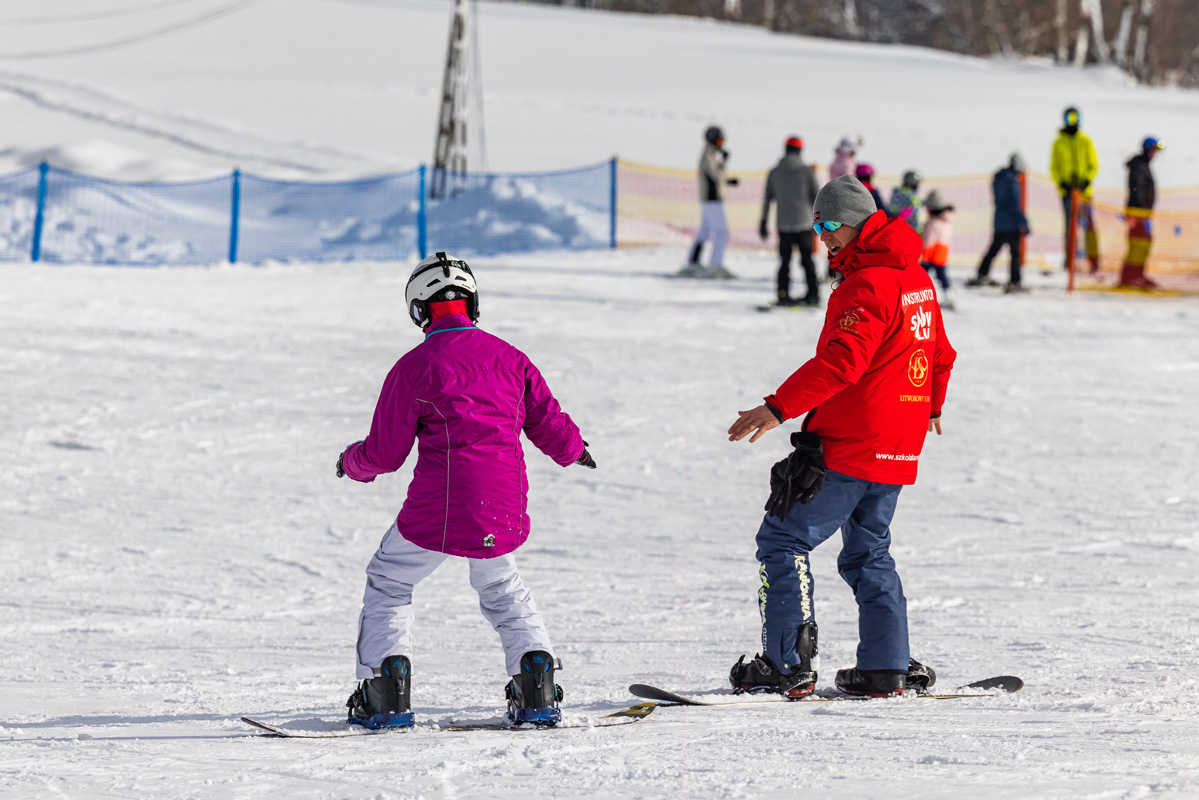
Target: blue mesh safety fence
[(485, 214), (251, 219), (96, 221), (18, 209), (374, 219)]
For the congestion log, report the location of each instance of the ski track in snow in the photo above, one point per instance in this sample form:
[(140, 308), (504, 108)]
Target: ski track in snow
[(190, 133), (177, 552)]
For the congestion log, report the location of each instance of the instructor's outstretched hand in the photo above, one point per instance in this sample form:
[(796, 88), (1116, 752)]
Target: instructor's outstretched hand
[(758, 420)]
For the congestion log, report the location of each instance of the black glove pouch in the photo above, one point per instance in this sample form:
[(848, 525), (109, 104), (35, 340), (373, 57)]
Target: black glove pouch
[(799, 477)]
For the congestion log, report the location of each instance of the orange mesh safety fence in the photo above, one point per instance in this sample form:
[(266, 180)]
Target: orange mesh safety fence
[(1162, 244), (660, 206)]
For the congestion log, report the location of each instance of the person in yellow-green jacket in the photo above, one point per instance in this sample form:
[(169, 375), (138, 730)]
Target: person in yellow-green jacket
[(1073, 165)]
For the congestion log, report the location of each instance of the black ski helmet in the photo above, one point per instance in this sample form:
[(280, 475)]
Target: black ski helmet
[(440, 277), (1071, 117), (713, 133), (912, 178)]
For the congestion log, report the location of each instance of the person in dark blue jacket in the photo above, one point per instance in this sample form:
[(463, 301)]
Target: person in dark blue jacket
[(1010, 225)]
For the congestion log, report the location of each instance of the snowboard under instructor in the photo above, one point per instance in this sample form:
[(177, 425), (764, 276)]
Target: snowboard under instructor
[(463, 397), (872, 391)]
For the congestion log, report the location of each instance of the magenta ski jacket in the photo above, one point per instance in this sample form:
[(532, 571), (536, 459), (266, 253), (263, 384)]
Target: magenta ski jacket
[(464, 396)]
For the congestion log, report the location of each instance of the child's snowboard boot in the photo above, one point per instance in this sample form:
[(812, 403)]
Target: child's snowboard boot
[(385, 701), (532, 695)]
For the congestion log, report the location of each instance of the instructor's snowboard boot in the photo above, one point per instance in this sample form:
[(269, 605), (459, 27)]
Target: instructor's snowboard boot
[(532, 695), (761, 675), (385, 701), (871, 682), (886, 682)]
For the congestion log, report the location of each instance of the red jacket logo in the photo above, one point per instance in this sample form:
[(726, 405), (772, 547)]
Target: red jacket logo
[(918, 368)]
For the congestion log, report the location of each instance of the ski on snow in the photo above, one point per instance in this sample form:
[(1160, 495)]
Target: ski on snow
[(623, 717), (988, 687)]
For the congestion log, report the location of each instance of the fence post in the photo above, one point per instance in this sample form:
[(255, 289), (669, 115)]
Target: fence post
[(1071, 239), (422, 233), (39, 219), (1023, 179), (235, 216), (612, 204)]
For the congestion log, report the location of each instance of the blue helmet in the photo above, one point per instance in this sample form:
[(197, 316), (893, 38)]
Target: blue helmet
[(1152, 143)]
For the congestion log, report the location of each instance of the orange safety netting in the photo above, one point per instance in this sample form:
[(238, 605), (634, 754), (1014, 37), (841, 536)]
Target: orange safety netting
[(660, 206)]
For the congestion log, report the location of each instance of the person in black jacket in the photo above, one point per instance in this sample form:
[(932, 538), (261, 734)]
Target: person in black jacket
[(1010, 224), (1142, 192)]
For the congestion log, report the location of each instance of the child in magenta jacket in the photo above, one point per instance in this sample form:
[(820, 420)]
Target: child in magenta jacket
[(463, 397)]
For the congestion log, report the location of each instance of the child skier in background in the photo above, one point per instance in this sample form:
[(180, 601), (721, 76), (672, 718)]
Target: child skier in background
[(938, 231), (843, 159), (463, 397), (905, 203)]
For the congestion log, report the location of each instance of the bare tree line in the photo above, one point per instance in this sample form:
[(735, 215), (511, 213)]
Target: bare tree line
[(1156, 41)]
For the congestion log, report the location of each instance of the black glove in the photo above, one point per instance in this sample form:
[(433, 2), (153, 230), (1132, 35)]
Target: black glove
[(799, 477), (341, 473), (762, 230), (1065, 187), (1084, 185), (586, 460), (732, 181)]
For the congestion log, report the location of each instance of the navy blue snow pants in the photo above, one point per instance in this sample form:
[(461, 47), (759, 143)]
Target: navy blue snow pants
[(863, 511)]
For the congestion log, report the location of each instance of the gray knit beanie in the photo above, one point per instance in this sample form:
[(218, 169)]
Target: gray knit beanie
[(844, 200)]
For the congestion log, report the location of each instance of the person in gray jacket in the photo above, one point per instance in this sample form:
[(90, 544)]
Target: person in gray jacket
[(792, 186), (712, 225)]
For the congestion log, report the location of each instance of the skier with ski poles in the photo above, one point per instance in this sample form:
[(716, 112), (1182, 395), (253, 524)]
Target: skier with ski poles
[(463, 397), (872, 391)]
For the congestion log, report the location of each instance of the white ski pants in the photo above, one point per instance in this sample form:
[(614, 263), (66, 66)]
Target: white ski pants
[(385, 625), (714, 226)]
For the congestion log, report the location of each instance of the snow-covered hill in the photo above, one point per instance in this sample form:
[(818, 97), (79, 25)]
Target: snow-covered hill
[(333, 88)]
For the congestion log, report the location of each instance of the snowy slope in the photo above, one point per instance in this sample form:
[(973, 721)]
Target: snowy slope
[(333, 88), (175, 551)]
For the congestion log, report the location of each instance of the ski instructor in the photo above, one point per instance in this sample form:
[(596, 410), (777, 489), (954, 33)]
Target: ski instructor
[(872, 391)]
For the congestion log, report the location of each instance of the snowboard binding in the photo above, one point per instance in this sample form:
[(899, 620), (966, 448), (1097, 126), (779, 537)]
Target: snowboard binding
[(761, 674), (385, 701), (532, 695)]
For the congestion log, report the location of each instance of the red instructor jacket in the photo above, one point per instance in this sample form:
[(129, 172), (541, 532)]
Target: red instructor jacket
[(882, 362)]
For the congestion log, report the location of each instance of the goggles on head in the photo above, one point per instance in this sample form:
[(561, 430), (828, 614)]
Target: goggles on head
[(828, 226)]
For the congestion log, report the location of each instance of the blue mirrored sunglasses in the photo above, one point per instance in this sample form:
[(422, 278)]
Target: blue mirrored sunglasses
[(828, 226)]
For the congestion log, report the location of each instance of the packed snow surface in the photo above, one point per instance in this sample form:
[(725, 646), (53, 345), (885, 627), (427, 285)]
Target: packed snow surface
[(177, 551)]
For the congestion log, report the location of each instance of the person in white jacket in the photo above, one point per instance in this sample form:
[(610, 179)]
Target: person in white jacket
[(713, 225)]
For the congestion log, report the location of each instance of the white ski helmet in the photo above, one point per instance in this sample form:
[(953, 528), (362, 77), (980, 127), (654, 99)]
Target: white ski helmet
[(440, 277)]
